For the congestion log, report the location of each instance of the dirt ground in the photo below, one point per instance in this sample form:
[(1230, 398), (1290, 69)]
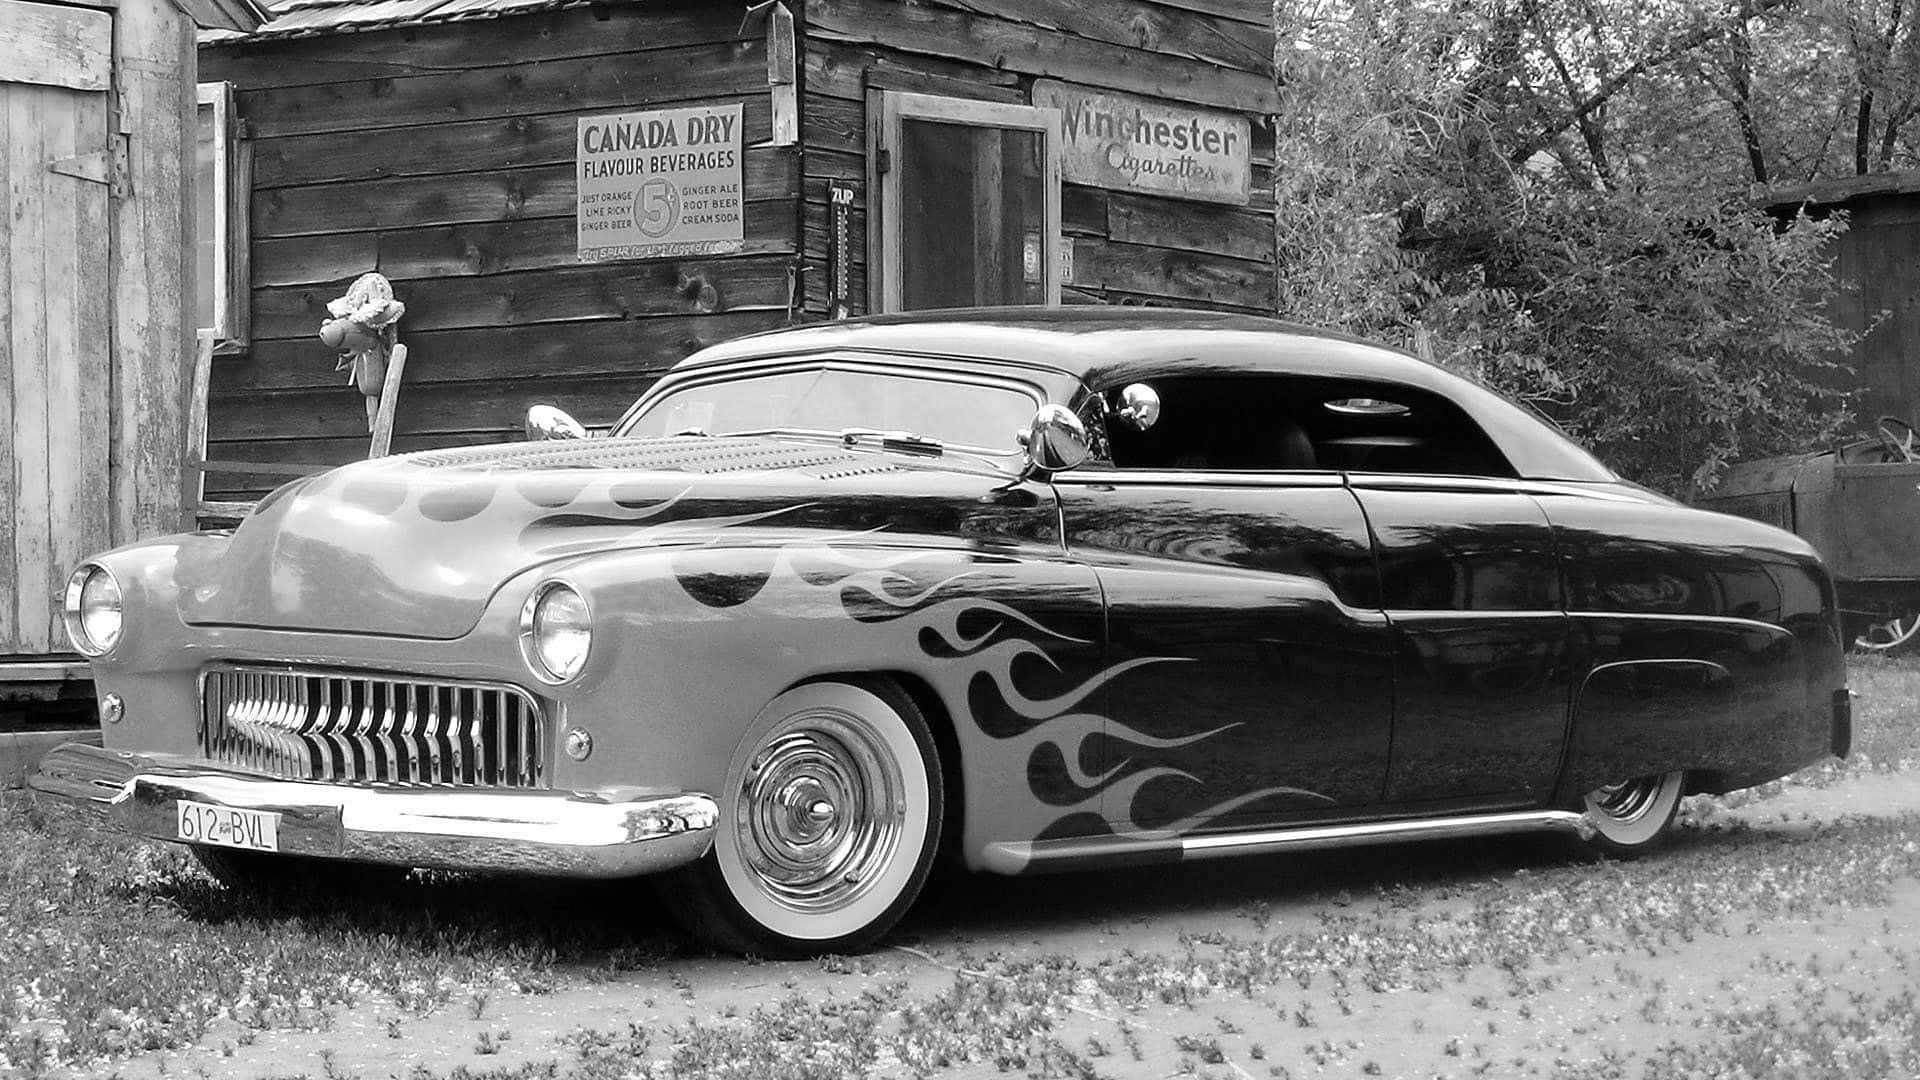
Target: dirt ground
[(1607, 1011)]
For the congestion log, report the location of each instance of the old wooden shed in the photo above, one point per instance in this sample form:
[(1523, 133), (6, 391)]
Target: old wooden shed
[(96, 336), (568, 197), (1878, 262)]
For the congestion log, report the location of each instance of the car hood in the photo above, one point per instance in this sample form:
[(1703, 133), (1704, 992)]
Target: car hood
[(417, 545)]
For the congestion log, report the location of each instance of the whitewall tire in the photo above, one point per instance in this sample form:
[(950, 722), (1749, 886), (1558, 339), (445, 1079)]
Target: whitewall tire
[(1634, 816), (830, 817)]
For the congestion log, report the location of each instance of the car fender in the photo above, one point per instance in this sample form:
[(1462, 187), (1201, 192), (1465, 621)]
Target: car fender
[(690, 643)]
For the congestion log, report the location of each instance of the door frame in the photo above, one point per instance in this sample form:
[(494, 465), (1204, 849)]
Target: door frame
[(886, 111)]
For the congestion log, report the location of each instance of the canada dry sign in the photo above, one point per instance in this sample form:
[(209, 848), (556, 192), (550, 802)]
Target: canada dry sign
[(660, 183)]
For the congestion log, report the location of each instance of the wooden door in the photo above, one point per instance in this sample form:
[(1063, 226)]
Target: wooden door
[(55, 314)]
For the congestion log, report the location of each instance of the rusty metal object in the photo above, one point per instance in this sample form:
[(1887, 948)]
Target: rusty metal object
[(1860, 505)]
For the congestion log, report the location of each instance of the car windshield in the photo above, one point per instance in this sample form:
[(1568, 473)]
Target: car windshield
[(977, 415)]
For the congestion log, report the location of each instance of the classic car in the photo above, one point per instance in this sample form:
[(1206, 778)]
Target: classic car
[(1031, 589)]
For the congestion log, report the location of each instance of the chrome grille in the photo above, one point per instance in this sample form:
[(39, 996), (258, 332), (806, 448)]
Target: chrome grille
[(345, 727)]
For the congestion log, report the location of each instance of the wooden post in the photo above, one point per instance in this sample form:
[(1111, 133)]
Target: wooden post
[(151, 267), (389, 401)]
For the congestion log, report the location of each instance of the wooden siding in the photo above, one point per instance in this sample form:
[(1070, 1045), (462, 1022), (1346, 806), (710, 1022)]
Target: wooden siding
[(1879, 262), (152, 270), (1126, 247), (443, 156), (55, 379)]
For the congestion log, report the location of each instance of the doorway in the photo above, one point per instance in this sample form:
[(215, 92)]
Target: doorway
[(969, 207)]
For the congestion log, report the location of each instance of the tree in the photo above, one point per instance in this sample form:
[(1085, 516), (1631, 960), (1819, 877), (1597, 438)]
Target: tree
[(1516, 189)]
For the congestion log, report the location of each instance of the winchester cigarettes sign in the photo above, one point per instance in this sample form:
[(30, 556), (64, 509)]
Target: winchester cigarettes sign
[(660, 183), (1137, 144)]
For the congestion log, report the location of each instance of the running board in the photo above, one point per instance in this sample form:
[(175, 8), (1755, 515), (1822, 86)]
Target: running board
[(1041, 856)]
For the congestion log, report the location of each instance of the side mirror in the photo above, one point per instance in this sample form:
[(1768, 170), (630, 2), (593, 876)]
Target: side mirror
[(546, 422), (1139, 406), (1055, 440)]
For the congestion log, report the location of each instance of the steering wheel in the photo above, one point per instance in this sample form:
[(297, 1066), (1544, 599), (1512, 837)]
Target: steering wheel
[(1900, 448)]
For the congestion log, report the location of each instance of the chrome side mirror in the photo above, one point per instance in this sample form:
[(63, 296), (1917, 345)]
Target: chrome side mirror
[(546, 422), (1055, 440), (1139, 406)]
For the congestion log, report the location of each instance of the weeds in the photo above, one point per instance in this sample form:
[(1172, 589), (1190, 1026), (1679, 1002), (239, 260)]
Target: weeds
[(115, 946)]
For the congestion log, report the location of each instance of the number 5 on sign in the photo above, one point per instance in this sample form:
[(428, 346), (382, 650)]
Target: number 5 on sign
[(657, 210)]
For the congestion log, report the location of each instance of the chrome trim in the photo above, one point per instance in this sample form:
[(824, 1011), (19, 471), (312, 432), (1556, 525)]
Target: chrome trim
[(853, 361), (1109, 476), (1045, 855), (550, 422), (1416, 615), (557, 833), (70, 615), (1661, 661), (348, 726), (1729, 621), (530, 650)]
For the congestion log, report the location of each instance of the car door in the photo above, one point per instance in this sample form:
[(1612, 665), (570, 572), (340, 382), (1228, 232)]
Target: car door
[(1470, 582), (1250, 666)]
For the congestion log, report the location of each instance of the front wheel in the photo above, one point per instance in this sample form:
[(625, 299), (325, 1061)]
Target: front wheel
[(830, 817), (1633, 816)]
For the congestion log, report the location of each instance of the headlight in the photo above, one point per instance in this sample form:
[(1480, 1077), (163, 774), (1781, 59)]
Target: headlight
[(556, 630), (93, 610)]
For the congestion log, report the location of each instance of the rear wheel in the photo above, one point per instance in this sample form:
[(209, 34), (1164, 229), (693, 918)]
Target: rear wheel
[(829, 822), (1633, 816)]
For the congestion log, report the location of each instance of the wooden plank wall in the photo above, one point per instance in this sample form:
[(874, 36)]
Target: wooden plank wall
[(443, 156), (1879, 259), (55, 380), (1127, 248), (152, 269)]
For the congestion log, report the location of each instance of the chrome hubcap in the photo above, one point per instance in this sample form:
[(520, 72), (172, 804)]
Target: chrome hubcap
[(1627, 801), (820, 811)]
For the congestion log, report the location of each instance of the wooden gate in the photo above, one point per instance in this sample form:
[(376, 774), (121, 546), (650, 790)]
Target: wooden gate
[(56, 380)]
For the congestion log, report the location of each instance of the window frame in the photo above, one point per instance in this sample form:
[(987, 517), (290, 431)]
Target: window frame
[(887, 110), (878, 364), (1383, 388), (233, 184)]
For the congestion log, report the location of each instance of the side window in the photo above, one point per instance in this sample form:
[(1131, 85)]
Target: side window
[(222, 179), (1235, 423)]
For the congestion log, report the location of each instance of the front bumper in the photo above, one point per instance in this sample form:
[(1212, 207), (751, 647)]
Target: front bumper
[(557, 833)]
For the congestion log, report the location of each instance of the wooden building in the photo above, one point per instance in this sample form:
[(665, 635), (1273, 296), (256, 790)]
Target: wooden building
[(1878, 263), (96, 144), (568, 197)]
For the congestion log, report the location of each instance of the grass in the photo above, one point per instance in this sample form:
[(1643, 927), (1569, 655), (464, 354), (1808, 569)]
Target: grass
[(115, 946), (1028, 1015)]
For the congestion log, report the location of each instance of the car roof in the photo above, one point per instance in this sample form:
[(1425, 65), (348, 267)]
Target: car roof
[(1092, 343), (1104, 347)]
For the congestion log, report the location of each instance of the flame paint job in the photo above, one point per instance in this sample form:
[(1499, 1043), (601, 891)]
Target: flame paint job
[(1114, 655)]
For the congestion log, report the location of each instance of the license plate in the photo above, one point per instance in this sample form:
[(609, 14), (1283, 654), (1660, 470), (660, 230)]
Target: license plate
[(227, 826)]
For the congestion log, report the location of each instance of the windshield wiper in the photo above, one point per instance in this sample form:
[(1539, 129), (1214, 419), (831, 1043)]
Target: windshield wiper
[(905, 442)]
